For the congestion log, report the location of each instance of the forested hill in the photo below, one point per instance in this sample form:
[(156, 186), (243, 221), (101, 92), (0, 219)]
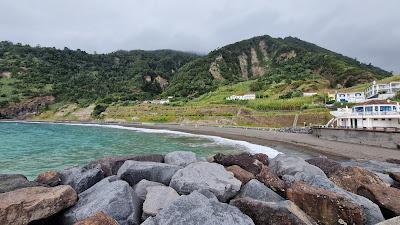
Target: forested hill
[(76, 76), (270, 60)]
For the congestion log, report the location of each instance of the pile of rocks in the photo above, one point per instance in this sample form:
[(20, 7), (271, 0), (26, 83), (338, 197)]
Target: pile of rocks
[(181, 188)]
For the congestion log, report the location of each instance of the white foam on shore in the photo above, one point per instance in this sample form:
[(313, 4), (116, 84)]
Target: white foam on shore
[(249, 147)]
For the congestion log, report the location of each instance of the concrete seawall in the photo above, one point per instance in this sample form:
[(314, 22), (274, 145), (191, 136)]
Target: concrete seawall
[(385, 139)]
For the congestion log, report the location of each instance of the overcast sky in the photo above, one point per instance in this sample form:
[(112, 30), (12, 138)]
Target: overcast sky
[(368, 30)]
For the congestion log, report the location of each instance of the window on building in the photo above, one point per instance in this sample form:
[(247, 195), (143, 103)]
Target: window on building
[(342, 95), (358, 94), (368, 109), (359, 109), (386, 108), (394, 108), (376, 108)]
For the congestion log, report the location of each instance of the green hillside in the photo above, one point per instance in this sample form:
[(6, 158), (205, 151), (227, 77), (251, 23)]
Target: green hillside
[(276, 69), (76, 76), (270, 60)]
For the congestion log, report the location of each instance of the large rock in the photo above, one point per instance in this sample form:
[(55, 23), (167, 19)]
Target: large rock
[(256, 190), (135, 171), (244, 160), (158, 198), (243, 175), (393, 221), (271, 180), (272, 213), (327, 165), (293, 169), (141, 188), (351, 178), (111, 196), (374, 166), (81, 178), (208, 176), (180, 158), (199, 209), (111, 165), (11, 182), (33, 203), (387, 198), (325, 207), (50, 178), (99, 218)]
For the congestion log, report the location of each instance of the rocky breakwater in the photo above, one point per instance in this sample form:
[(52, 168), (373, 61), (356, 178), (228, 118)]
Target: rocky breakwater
[(182, 189)]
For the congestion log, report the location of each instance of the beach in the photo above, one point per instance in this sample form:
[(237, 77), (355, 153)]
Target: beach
[(280, 141)]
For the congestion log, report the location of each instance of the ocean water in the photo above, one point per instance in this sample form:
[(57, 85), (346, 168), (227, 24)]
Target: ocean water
[(32, 148)]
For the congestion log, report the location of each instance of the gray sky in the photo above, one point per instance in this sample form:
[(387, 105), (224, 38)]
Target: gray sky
[(368, 30)]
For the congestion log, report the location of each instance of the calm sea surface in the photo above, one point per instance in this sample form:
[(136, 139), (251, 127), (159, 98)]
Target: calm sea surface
[(32, 148)]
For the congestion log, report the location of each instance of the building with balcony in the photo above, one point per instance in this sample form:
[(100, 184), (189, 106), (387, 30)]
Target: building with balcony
[(352, 97), (382, 91), (369, 115)]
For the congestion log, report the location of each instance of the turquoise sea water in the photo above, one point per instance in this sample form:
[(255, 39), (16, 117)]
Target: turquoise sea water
[(32, 148)]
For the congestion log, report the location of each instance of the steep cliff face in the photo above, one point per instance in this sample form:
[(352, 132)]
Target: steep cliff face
[(26, 108), (271, 59)]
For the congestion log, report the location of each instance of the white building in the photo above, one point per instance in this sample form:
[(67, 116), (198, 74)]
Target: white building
[(371, 114), (382, 91), (309, 94), (352, 97), (241, 97)]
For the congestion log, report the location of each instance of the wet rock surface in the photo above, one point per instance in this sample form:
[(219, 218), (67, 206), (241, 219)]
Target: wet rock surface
[(24, 205)]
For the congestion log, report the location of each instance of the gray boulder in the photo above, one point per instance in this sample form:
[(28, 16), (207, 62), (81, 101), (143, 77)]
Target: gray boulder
[(199, 209), (135, 171), (158, 198), (296, 169), (256, 190), (208, 176), (111, 165), (111, 196), (11, 182), (81, 178), (180, 158), (141, 188)]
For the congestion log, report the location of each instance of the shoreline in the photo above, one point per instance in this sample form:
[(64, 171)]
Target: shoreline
[(306, 144)]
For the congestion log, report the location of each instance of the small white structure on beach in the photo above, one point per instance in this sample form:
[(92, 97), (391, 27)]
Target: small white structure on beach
[(351, 97), (371, 114), (382, 91), (241, 97)]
